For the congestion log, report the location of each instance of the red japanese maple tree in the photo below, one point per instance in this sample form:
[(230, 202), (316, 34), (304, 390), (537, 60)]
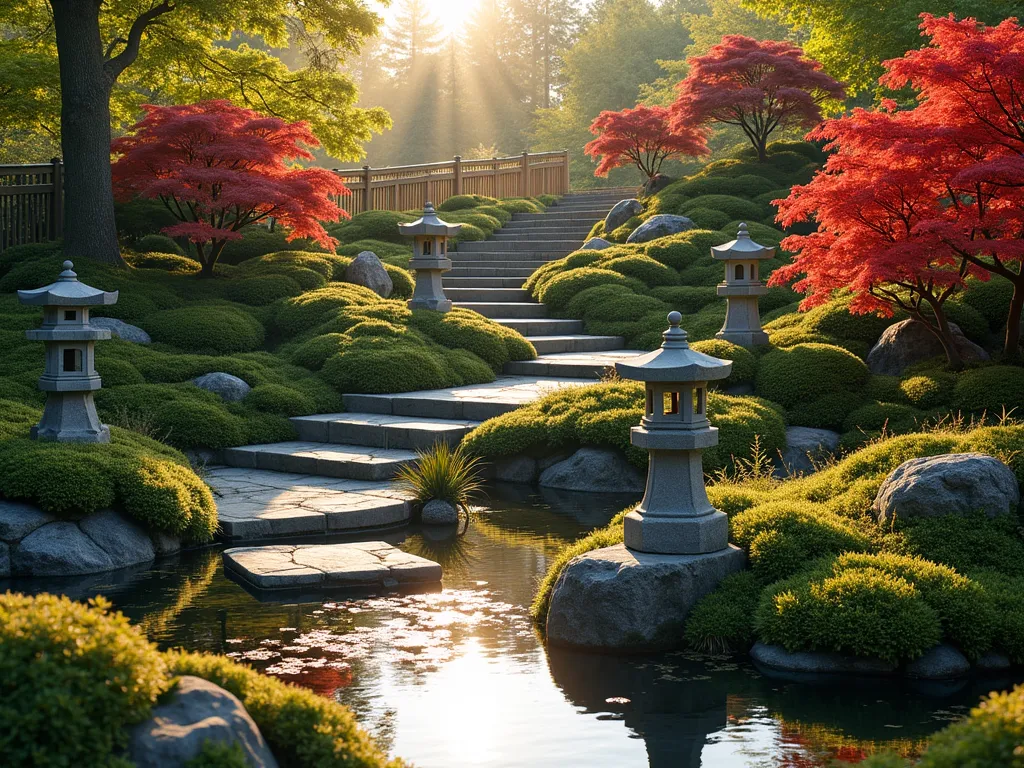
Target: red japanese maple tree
[(961, 152), (757, 85), (219, 168), (641, 136)]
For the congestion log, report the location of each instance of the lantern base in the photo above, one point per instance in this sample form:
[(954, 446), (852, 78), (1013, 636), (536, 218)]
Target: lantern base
[(70, 417), (437, 305), (676, 535), (744, 338)]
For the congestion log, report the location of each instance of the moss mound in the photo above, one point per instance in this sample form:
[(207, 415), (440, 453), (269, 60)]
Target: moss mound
[(210, 329), (805, 372)]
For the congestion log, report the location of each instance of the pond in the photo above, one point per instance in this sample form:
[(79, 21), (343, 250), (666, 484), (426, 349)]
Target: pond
[(461, 678)]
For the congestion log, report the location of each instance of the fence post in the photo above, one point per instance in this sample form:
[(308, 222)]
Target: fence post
[(458, 175), (524, 185), (57, 200), (568, 181), (494, 178), (367, 189)]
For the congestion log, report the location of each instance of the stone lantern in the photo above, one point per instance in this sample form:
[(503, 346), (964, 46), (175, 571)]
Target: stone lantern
[(741, 288), (636, 596), (429, 258), (675, 516), (70, 377)]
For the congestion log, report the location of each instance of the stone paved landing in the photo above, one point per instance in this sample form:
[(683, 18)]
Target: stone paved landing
[(355, 462), (584, 365), (258, 504), (357, 564)]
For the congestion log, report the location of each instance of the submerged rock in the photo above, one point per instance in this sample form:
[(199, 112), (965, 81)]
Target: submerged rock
[(594, 470), (518, 469), (943, 662), (778, 659)]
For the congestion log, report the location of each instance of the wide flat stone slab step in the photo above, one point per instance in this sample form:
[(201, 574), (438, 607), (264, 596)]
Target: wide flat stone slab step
[(595, 214), (584, 365), (523, 272), (504, 258), (355, 564), (537, 246), (494, 309), (541, 327), (477, 402), (380, 430), (551, 345), (487, 295), (255, 504), (354, 462), (481, 282)]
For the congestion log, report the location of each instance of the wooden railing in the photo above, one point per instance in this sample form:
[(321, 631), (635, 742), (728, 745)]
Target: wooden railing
[(407, 187), (31, 203)]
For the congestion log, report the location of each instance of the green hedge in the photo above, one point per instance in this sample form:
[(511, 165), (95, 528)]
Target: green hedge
[(805, 372), (159, 244), (208, 329)]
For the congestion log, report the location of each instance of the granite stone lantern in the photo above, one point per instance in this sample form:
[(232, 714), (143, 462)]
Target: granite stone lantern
[(675, 516), (429, 258), (637, 595), (70, 377), (741, 289)]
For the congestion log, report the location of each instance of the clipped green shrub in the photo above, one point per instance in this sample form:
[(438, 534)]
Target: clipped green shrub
[(465, 329), (166, 262), (503, 216), (643, 268), (990, 298), (402, 282), (260, 241), (744, 364), (992, 389), (928, 390), (1006, 594), (966, 543), (519, 205), (708, 218), (891, 417), (463, 202), (140, 217), (483, 222), (805, 372), (314, 308), (834, 319), (723, 622), (470, 233), (686, 249), (279, 399), (390, 253), (262, 290), (76, 667), (826, 412), (378, 365), (159, 244), (211, 329), (733, 207), (557, 292), (219, 754), (372, 225)]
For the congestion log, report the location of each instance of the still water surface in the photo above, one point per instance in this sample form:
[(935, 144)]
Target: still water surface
[(460, 677)]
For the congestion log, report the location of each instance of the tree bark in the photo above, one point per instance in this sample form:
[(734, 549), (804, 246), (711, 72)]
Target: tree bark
[(761, 145), (89, 230), (1011, 343), (945, 335)]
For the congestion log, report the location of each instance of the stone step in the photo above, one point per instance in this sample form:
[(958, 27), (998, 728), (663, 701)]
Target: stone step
[(534, 246), (494, 309), (551, 225), (586, 365), (260, 504), (551, 345), (487, 295), (478, 402), (517, 258), (531, 327), (381, 430), (583, 205), (482, 282), (523, 272), (593, 215), (530, 236), (354, 462)]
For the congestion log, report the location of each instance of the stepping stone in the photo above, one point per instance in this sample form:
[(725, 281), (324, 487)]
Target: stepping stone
[(259, 504), (355, 564)]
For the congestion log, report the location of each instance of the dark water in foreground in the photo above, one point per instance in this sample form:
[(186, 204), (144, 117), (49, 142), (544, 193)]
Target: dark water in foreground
[(460, 678)]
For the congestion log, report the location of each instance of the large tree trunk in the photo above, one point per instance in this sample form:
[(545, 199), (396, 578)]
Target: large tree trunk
[(945, 335), (1011, 344), (89, 229)]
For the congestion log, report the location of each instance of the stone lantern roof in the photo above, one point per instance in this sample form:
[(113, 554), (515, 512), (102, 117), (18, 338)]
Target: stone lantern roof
[(742, 248), (67, 292), (429, 224), (674, 361)]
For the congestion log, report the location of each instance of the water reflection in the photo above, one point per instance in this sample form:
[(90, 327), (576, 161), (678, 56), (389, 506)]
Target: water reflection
[(460, 677)]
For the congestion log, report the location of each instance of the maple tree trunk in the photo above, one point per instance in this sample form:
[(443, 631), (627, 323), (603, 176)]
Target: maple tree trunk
[(1011, 344), (761, 145), (89, 228), (945, 335)]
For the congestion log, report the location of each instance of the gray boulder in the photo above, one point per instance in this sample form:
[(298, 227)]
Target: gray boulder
[(124, 541), (165, 543), (230, 388), (943, 662), (623, 211), (775, 658), (662, 225), (5, 561), (368, 271), (596, 244), (19, 520), (198, 711), (994, 662), (59, 549), (950, 484), (907, 342), (121, 329), (519, 469), (804, 446), (594, 470), (439, 512), (618, 599)]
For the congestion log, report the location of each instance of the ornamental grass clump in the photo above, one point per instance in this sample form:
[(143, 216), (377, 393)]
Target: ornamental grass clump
[(443, 473)]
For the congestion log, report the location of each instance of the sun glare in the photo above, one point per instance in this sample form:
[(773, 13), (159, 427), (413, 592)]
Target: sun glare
[(452, 15)]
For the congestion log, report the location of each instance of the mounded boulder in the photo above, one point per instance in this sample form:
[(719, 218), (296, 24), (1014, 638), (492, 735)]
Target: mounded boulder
[(19, 520), (5, 560), (165, 543), (367, 270), (230, 388), (804, 446), (197, 711), (439, 512), (949, 484), (122, 539), (621, 212), (59, 549), (618, 599), (656, 183), (775, 658), (993, 662), (662, 225), (594, 470), (121, 329), (518, 469), (596, 244), (943, 662), (908, 342)]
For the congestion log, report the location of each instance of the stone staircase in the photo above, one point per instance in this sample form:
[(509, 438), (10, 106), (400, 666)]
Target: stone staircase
[(337, 475)]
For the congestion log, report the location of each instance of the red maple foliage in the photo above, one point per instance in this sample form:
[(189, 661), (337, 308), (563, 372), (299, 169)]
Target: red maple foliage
[(758, 85), (641, 136), (933, 194), (219, 168)]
